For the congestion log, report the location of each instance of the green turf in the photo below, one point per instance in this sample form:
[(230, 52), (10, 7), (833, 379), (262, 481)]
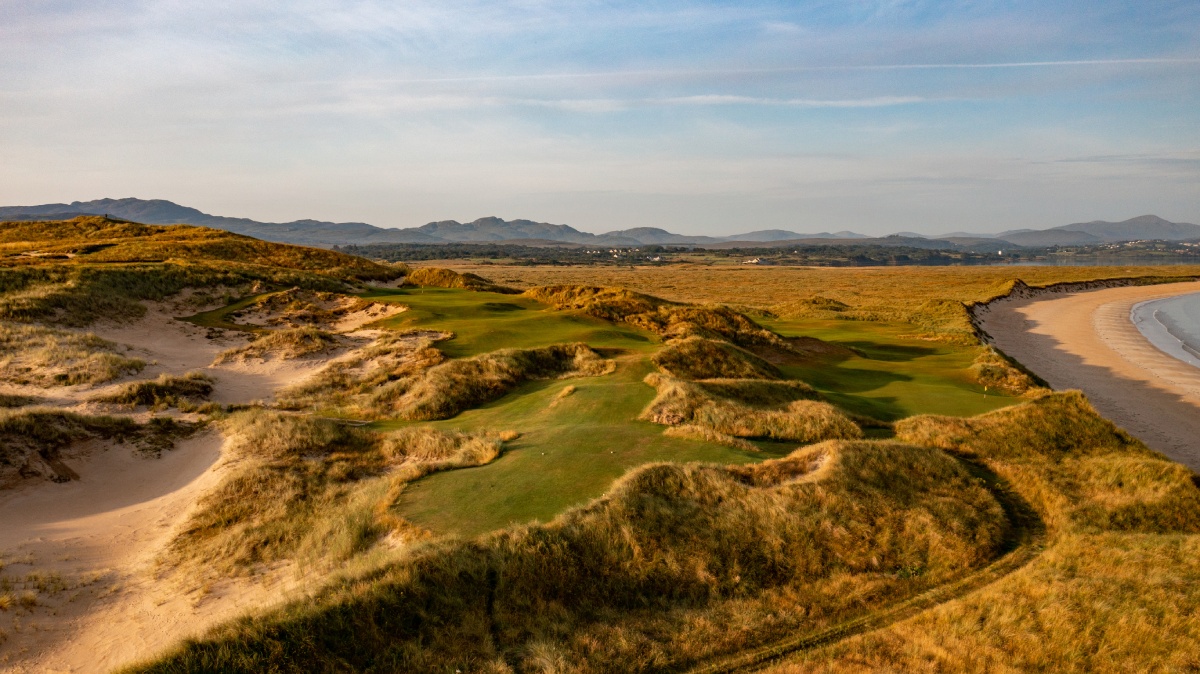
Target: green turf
[(567, 454), (897, 375), (485, 322), (571, 452), (219, 318)]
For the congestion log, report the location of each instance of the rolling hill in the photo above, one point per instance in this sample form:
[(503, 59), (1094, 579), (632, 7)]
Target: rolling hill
[(529, 232)]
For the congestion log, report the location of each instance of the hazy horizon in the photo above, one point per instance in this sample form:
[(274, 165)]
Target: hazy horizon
[(698, 118)]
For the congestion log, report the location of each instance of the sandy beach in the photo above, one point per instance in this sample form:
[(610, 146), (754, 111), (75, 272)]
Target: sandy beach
[(1087, 341)]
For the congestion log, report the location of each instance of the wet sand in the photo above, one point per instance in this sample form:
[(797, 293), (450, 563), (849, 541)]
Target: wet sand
[(1086, 341)]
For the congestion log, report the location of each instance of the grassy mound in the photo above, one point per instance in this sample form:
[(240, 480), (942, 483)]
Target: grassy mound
[(88, 239), (699, 358), (1077, 468), (676, 563), (166, 391), (669, 319), (367, 382), (287, 343), (33, 354), (312, 489), (748, 409), (34, 441), (90, 268), (300, 307), (435, 277), (445, 390), (997, 372), (1116, 589)]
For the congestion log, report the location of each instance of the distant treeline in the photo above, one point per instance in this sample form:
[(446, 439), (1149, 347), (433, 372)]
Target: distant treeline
[(837, 255)]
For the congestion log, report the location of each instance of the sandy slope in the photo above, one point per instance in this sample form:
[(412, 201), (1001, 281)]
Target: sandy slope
[(94, 542), (1086, 340)]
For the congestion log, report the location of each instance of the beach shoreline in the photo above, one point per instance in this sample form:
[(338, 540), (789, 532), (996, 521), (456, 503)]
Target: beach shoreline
[(1088, 340)]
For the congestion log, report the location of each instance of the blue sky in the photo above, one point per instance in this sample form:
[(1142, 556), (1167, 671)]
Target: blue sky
[(703, 118)]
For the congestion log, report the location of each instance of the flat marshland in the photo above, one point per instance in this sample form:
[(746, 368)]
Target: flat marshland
[(527, 469)]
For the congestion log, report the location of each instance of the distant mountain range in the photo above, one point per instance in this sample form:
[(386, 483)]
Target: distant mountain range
[(492, 229)]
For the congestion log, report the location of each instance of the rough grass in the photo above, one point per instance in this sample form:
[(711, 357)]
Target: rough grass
[(90, 268), (434, 277), (1116, 589), (931, 299), (38, 355), (91, 239), (366, 382), (34, 441), (286, 343), (996, 371), (668, 319), (706, 434), (10, 400), (675, 564), (312, 489), (748, 409), (700, 358), (166, 391), (444, 390), (299, 307)]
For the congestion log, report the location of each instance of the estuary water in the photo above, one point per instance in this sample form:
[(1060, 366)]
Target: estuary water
[(1172, 325)]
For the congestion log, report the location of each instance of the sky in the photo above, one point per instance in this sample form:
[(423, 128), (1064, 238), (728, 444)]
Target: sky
[(700, 118)]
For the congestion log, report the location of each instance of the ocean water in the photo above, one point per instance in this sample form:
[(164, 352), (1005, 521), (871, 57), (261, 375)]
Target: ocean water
[(1172, 325)]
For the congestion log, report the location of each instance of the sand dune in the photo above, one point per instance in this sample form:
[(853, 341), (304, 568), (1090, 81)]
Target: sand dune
[(95, 541), (1086, 341)]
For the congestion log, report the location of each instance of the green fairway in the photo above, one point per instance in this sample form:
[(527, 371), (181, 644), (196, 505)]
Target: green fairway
[(567, 455), (571, 450), (484, 321), (219, 318), (897, 375)]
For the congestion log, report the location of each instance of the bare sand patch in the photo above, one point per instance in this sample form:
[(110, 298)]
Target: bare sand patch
[(1086, 340), (93, 543), (170, 345)]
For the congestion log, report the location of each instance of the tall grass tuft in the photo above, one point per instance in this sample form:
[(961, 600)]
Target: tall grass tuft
[(166, 391), (286, 343), (700, 358), (38, 355), (444, 390), (776, 410)]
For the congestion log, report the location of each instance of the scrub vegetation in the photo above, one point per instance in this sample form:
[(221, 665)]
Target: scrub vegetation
[(676, 563), (38, 355), (312, 489), (1114, 590), (166, 391), (596, 470), (285, 343), (34, 441)]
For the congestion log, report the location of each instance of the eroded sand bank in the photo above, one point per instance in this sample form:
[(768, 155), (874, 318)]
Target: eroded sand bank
[(1086, 340)]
